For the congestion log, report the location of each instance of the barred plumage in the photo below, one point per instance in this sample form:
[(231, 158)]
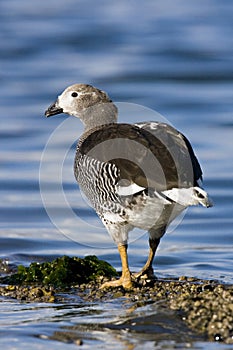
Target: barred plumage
[(95, 180)]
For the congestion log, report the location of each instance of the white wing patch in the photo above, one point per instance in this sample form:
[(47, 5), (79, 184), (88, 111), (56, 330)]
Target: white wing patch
[(129, 190)]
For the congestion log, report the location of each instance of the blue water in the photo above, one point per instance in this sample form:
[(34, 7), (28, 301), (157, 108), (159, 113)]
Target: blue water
[(173, 57)]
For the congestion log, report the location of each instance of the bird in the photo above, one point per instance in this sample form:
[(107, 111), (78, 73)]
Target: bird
[(140, 175)]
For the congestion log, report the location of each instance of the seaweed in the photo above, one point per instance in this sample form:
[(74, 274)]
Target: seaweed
[(62, 272)]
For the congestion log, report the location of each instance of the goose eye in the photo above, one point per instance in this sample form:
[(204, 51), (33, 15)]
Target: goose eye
[(74, 94)]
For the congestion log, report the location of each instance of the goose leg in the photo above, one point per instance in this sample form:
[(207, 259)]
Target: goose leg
[(125, 279), (147, 269)]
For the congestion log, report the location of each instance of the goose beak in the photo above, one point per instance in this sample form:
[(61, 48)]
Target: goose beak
[(53, 109)]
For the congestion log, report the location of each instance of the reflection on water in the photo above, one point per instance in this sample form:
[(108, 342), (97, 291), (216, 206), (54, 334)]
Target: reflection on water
[(172, 57)]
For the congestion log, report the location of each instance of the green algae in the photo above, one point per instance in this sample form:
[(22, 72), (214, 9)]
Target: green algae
[(62, 272)]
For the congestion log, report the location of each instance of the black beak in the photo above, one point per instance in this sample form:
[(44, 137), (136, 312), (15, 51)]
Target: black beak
[(53, 110)]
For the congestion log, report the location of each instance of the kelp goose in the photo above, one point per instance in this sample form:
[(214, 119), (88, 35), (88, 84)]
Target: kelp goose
[(135, 175)]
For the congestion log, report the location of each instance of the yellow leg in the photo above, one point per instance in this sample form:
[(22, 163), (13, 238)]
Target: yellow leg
[(125, 279), (147, 269)]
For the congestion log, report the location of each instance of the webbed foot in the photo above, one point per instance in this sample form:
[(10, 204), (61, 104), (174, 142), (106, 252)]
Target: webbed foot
[(124, 281), (147, 273)]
